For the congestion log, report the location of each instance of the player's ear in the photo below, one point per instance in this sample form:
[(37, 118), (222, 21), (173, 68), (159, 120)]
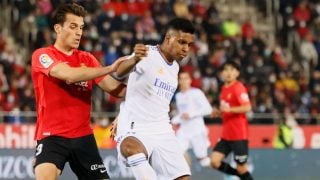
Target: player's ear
[(238, 73), (57, 28), (170, 37), (167, 37)]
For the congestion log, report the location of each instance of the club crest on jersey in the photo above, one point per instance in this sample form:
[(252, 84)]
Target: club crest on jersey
[(160, 71), (45, 60)]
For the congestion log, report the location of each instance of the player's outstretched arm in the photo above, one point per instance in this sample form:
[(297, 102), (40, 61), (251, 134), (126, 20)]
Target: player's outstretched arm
[(238, 109), (71, 75), (140, 51)]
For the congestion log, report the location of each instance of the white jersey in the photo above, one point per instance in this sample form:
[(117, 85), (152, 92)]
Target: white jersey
[(195, 103), (150, 89)]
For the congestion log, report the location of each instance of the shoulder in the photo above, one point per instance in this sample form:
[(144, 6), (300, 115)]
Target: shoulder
[(43, 55), (153, 48), (86, 57), (153, 51), (150, 59), (176, 65), (81, 53), (196, 91), (178, 94), (44, 50), (240, 85)]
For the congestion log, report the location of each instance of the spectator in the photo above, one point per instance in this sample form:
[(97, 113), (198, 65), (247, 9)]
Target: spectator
[(298, 138), (112, 23), (230, 28), (284, 137), (309, 55)]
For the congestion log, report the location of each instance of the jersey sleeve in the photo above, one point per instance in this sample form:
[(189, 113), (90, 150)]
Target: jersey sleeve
[(242, 94), (141, 65), (203, 106), (43, 60)]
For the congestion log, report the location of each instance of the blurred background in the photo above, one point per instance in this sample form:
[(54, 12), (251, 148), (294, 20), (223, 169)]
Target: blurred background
[(277, 43)]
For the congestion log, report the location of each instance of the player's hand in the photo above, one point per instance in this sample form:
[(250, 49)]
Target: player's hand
[(113, 130), (185, 116), (215, 112), (140, 51), (225, 107)]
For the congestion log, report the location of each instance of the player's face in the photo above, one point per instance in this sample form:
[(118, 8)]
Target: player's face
[(229, 74), (179, 44), (71, 31), (184, 81)]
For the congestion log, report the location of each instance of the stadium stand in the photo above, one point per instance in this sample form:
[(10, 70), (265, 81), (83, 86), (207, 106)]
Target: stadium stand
[(276, 42)]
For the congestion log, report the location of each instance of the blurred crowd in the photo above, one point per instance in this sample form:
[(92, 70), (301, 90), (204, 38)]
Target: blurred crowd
[(282, 77)]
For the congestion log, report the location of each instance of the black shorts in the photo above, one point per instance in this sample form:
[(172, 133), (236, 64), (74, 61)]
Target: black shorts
[(81, 153), (239, 148)]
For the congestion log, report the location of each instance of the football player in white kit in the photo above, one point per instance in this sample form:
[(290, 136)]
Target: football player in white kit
[(145, 138), (192, 105)]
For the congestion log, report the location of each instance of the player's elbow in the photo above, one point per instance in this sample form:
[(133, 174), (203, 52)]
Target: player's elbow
[(121, 72), (119, 91), (71, 78), (248, 108), (65, 73)]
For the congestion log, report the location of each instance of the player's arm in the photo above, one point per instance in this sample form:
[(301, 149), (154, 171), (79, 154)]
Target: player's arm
[(243, 99), (113, 86), (140, 51), (71, 75), (215, 112), (245, 105), (203, 106), (241, 109)]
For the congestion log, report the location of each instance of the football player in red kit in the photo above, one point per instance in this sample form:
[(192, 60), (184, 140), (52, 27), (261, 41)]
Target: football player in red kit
[(234, 103), (63, 77)]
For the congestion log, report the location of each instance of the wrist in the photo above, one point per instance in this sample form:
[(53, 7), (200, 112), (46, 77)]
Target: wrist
[(136, 59), (108, 69)]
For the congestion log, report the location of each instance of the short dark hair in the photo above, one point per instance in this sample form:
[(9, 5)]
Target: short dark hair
[(59, 16), (180, 24), (230, 63)]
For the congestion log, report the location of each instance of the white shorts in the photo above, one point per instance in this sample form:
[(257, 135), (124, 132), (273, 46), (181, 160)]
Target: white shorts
[(199, 144), (165, 155)]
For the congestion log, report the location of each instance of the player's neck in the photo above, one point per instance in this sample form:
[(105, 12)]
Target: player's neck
[(164, 53), (229, 83), (63, 49), (185, 89)]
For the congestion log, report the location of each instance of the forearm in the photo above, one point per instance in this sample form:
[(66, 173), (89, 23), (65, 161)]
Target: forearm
[(76, 74), (113, 86), (140, 51), (241, 109), (201, 112), (203, 107), (126, 66), (86, 73)]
